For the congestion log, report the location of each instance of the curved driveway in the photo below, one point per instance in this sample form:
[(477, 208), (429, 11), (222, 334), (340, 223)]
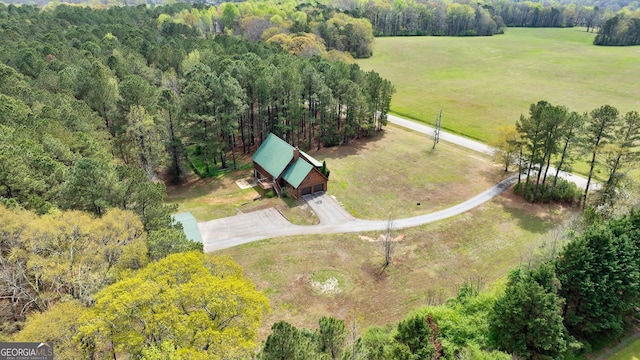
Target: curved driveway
[(269, 223)]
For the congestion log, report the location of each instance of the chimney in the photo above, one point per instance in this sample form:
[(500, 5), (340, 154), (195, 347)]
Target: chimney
[(296, 153)]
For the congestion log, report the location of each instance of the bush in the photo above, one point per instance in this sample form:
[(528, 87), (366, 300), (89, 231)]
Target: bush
[(564, 191)]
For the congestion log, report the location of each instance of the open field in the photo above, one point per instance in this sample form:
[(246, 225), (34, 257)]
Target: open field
[(483, 82), (307, 277), (398, 174), (429, 263)]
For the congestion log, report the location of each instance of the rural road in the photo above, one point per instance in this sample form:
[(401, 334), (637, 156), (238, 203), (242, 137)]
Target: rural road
[(479, 147), (270, 223)]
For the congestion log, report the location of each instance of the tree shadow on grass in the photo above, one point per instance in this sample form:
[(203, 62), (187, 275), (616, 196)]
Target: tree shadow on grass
[(529, 222), (352, 148)]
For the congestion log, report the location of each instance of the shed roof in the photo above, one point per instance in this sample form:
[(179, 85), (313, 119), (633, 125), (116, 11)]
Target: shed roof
[(189, 225), (273, 155), (296, 173), (313, 161)]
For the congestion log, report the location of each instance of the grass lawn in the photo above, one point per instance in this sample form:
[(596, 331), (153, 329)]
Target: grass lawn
[(307, 277), (631, 352), (483, 82), (218, 197), (392, 173)]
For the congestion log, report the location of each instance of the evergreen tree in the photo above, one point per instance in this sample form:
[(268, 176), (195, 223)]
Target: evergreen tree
[(526, 320)]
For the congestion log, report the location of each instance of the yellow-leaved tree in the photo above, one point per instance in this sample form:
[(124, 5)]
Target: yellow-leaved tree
[(507, 145), (63, 255), (187, 305)]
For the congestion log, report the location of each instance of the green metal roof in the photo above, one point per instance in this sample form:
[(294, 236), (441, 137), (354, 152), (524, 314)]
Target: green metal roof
[(313, 161), (273, 155), (189, 225), (297, 172)]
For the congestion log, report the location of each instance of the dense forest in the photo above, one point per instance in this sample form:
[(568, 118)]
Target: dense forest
[(96, 108), (348, 26), (619, 30)]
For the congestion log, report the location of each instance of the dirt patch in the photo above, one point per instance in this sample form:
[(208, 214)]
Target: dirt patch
[(246, 183), (380, 238), (328, 287)]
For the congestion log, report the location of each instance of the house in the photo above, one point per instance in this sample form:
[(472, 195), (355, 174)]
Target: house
[(280, 166)]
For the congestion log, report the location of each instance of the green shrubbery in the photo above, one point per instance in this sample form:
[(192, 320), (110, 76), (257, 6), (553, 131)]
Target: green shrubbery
[(563, 191)]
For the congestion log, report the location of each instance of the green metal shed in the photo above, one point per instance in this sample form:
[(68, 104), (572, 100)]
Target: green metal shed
[(189, 225)]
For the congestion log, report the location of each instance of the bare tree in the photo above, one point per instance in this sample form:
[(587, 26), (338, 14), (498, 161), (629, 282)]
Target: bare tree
[(436, 131), (388, 245)]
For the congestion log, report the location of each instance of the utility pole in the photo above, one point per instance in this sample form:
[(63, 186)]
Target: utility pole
[(436, 132)]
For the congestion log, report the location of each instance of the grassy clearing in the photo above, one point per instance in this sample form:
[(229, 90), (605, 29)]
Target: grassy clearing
[(218, 197), (392, 173), (484, 82), (429, 263)]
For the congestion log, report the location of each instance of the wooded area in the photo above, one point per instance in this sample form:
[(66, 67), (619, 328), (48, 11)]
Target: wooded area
[(96, 106), (551, 136)]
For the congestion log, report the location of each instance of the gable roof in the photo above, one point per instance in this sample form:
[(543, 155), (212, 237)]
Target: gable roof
[(296, 173), (273, 155), (189, 225)]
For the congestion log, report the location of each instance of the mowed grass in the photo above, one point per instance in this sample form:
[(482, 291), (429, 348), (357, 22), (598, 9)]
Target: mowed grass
[(386, 175), (218, 197), (631, 352), (481, 83), (428, 264), (398, 174)]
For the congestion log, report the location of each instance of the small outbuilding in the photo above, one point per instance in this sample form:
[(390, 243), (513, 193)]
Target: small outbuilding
[(280, 166), (189, 225)]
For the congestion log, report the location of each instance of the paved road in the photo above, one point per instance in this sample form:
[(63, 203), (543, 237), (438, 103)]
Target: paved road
[(449, 137), (270, 223), (265, 224)]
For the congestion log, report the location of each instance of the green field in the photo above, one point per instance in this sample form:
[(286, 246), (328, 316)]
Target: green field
[(365, 179), (483, 82), (631, 352), (434, 179)]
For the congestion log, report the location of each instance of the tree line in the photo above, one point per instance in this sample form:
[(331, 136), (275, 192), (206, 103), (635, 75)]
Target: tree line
[(461, 18), (580, 295), (299, 27), (553, 136), (620, 30)]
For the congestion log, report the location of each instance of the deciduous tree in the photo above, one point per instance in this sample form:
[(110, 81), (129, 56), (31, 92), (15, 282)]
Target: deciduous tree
[(201, 305)]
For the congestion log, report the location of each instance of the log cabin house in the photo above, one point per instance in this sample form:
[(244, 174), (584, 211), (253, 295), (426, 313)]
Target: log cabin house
[(282, 167)]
